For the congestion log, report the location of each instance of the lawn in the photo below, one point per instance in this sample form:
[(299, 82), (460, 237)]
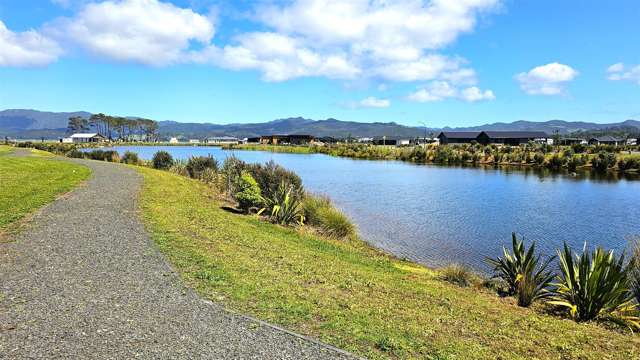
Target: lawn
[(348, 294), (27, 183), (4, 150)]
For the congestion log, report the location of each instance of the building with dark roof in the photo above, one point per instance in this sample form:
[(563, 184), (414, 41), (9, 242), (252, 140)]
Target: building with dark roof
[(391, 140), (606, 140), (294, 139), (458, 137), (511, 137)]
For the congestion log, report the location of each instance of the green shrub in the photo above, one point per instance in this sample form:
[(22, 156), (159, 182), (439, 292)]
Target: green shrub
[(629, 163), (634, 272), (179, 167), (270, 175), (103, 155), (247, 192), (538, 158), (457, 274), (575, 161), (319, 212), (76, 154), (523, 272), (197, 165), (594, 285), (130, 158), (556, 162), (284, 206), (232, 169), (162, 160), (603, 161)]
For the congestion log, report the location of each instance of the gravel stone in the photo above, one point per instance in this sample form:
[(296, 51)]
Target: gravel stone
[(84, 280)]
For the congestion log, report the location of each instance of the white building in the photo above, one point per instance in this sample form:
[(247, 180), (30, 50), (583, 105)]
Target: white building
[(173, 140), (86, 138), (223, 140), (194, 141)]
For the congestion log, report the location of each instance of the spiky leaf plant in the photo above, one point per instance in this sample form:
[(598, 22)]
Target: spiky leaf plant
[(523, 271), (595, 285)]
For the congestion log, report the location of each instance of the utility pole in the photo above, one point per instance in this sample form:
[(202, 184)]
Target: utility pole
[(425, 133)]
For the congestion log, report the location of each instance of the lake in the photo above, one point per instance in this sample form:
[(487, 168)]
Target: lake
[(438, 215)]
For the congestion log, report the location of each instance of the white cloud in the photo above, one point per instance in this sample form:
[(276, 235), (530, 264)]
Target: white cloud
[(145, 31), (278, 57), (442, 90), (549, 79), (620, 72), (26, 49), (372, 102)]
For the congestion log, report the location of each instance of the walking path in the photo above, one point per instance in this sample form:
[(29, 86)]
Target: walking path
[(85, 281)]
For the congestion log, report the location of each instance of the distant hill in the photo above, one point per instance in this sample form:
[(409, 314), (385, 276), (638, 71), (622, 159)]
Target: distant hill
[(33, 124)]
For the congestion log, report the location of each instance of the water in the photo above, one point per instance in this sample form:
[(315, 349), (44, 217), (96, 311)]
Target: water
[(438, 215)]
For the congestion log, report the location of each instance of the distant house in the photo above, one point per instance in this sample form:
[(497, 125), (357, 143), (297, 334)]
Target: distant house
[(294, 139), (458, 137), (632, 142), (606, 140), (222, 140), (173, 140), (572, 141), (391, 140), (66, 140), (194, 141), (253, 140), (512, 137), (87, 138)]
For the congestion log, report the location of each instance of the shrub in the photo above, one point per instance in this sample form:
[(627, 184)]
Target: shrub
[(179, 167), (538, 158), (603, 161), (232, 169), (76, 154), (162, 160), (196, 166), (574, 162), (284, 206), (319, 212), (523, 272), (457, 274), (130, 158), (556, 162), (270, 175), (629, 163), (247, 192), (595, 285), (102, 155)]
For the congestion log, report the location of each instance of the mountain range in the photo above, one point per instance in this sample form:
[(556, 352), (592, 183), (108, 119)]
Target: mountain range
[(33, 124)]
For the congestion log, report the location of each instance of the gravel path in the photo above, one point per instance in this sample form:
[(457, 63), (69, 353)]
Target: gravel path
[(85, 281)]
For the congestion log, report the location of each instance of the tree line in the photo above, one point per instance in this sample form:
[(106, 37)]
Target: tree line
[(114, 127)]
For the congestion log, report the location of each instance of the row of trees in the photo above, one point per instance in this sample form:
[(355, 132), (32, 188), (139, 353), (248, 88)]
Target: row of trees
[(114, 127)]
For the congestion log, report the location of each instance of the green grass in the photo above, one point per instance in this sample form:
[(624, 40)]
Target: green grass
[(348, 294), (4, 150), (28, 183), (274, 148)]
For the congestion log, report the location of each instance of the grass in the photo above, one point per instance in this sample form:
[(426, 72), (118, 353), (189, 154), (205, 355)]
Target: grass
[(303, 149), (31, 182), (4, 150), (347, 294)]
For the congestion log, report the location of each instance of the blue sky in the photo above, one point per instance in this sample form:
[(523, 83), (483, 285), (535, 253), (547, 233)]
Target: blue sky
[(441, 62)]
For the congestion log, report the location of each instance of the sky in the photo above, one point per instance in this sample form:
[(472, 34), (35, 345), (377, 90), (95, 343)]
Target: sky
[(415, 62)]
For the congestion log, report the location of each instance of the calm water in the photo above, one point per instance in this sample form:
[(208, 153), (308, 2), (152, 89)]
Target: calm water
[(437, 215)]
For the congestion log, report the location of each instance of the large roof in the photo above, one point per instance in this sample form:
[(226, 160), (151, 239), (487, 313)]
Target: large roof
[(515, 134), (84, 135), (460, 134)]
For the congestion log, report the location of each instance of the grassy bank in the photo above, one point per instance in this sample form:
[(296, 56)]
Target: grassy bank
[(348, 294), (31, 182), (274, 148)]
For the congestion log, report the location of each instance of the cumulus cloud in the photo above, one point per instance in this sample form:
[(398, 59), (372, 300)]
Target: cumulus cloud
[(26, 49), (620, 72), (144, 31), (549, 79), (442, 90), (278, 57)]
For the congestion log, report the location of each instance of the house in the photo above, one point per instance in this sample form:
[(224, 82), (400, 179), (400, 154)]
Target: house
[(606, 140), (253, 140), (295, 139), (632, 142), (512, 137), (173, 140), (87, 138), (391, 140), (66, 140), (222, 140), (194, 141), (458, 137), (572, 141)]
